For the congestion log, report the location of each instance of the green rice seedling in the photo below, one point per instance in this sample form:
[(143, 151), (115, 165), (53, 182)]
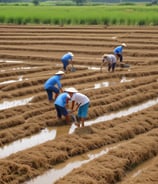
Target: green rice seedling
[(93, 15)]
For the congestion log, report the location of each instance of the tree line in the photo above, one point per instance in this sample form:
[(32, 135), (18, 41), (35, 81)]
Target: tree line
[(78, 2)]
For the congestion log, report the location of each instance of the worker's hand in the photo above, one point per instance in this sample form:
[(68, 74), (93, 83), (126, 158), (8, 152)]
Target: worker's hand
[(72, 110), (76, 109)]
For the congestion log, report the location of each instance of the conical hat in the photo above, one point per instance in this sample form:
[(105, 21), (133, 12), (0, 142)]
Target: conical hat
[(71, 90), (59, 73)]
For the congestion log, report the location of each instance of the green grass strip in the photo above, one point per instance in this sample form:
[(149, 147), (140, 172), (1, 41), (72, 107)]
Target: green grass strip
[(76, 15)]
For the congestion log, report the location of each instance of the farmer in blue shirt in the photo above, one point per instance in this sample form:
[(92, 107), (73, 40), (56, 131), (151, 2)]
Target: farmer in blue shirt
[(66, 60), (50, 85), (118, 51), (61, 102)]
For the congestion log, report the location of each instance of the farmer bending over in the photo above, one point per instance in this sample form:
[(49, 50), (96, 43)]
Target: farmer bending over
[(110, 59), (61, 103), (50, 85), (80, 103), (67, 60), (118, 51)]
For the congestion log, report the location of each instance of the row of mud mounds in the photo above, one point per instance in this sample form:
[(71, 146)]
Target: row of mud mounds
[(124, 148)]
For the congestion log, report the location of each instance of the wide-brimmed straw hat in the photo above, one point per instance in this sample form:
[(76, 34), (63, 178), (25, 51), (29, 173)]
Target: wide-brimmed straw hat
[(71, 54), (59, 73), (123, 44), (105, 55), (71, 90)]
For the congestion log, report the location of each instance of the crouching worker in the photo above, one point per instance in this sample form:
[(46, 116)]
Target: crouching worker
[(50, 85), (67, 60), (61, 104), (118, 51), (80, 103), (110, 60)]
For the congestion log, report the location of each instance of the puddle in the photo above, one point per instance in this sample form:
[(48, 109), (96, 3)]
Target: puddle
[(137, 173), (24, 68), (119, 114), (63, 169), (139, 169), (124, 79), (54, 132), (107, 83), (93, 68), (142, 167), (62, 130), (82, 66), (34, 140), (102, 84), (15, 103), (21, 144), (12, 81), (114, 37), (10, 61)]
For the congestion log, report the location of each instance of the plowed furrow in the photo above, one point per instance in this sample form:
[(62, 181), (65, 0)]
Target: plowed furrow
[(101, 171), (30, 54), (60, 152)]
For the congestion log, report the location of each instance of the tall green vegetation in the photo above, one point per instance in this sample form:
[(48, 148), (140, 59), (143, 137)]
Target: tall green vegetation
[(73, 15), (79, 2), (36, 2)]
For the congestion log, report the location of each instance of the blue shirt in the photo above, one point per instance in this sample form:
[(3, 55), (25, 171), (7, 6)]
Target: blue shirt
[(61, 99), (118, 50), (66, 57), (53, 81)]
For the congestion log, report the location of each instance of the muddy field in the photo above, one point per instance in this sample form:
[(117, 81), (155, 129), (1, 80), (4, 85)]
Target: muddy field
[(119, 143)]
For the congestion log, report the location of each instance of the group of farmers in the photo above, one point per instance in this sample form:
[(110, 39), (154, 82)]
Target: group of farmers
[(79, 102), (111, 59)]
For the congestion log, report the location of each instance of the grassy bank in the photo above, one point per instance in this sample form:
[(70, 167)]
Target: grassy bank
[(76, 15)]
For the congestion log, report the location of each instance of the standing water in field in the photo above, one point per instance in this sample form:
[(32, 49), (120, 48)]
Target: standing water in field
[(139, 169), (43, 136), (34, 140), (10, 61), (63, 169), (20, 78), (52, 133), (119, 114), (15, 103)]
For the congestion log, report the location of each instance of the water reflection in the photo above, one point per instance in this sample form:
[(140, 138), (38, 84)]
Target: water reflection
[(10, 61), (114, 37), (54, 132), (20, 78), (34, 140), (23, 68), (61, 130), (63, 169), (137, 173), (119, 114), (93, 68), (10, 104), (124, 79), (107, 83), (140, 168), (102, 84), (28, 142)]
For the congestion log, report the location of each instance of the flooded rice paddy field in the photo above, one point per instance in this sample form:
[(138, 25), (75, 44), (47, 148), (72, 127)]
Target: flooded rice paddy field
[(119, 143)]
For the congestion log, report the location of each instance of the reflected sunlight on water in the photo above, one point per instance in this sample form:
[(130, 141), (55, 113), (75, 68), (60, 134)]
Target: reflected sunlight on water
[(15, 103)]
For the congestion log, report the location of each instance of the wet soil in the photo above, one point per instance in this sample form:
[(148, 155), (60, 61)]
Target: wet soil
[(29, 55)]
